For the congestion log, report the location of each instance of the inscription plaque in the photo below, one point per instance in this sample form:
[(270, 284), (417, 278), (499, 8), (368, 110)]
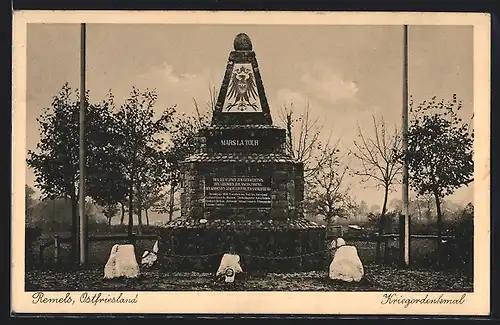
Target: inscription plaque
[(237, 191), (261, 141)]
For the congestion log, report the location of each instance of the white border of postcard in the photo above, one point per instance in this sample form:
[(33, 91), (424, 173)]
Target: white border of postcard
[(476, 303)]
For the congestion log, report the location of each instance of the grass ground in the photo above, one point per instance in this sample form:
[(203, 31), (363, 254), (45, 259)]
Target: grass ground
[(377, 278)]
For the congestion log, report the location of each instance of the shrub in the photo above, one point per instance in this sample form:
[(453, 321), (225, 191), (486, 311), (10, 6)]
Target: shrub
[(98, 227), (464, 233), (460, 250), (32, 234)]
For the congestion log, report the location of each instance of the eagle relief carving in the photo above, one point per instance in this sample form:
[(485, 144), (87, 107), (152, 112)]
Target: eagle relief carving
[(242, 94)]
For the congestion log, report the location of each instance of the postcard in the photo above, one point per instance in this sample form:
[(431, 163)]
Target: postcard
[(329, 163)]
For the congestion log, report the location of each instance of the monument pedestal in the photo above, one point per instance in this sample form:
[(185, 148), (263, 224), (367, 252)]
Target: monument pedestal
[(272, 246)]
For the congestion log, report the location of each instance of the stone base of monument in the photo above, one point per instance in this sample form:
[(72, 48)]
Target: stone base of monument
[(283, 246)]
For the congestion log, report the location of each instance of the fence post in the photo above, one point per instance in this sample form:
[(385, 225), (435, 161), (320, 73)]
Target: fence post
[(327, 255), (410, 231), (56, 249), (386, 250), (401, 239), (378, 239)]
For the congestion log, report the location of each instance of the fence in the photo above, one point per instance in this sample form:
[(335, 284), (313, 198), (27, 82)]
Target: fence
[(57, 241), (423, 247)]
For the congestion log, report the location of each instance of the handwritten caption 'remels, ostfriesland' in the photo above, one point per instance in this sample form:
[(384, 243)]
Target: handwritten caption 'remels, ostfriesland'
[(84, 298), (392, 298)]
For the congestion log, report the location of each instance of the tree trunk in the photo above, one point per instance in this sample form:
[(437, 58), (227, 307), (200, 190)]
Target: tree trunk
[(289, 124), (139, 221), (139, 208), (419, 211), (439, 230), (329, 256), (147, 217), (429, 211), (54, 219), (381, 228), (130, 210), (328, 224), (74, 229), (109, 221), (122, 220), (171, 202)]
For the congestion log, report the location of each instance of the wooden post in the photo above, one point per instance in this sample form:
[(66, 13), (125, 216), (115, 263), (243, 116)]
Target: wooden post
[(83, 234), (386, 230), (56, 249), (386, 250), (401, 238), (404, 242), (409, 236)]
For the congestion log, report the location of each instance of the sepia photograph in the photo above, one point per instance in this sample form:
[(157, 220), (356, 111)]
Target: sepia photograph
[(171, 157)]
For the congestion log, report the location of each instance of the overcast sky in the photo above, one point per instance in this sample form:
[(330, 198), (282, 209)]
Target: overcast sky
[(345, 73)]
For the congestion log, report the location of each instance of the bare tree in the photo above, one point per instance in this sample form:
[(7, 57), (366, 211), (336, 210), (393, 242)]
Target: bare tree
[(184, 141), (30, 203), (123, 209), (149, 183), (379, 161), (209, 105), (109, 211), (304, 139), (212, 101), (150, 198), (421, 208), (165, 203), (329, 196)]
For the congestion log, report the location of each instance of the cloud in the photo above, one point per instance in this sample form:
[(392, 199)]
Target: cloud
[(173, 78), (322, 89), (325, 85), (285, 96), (178, 87)]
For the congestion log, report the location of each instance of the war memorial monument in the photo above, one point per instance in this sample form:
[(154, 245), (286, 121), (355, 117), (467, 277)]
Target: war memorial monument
[(241, 191)]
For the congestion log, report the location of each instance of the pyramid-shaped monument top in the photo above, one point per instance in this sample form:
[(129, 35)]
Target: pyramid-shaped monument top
[(242, 100)]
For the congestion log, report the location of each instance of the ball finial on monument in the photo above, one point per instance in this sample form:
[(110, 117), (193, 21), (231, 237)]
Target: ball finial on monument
[(242, 42)]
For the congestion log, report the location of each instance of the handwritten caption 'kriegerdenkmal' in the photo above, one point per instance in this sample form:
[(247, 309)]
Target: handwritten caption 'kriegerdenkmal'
[(85, 298), (394, 299)]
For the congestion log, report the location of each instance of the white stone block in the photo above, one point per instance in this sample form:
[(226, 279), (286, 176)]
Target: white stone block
[(121, 263), (229, 267), (150, 257), (346, 265)]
